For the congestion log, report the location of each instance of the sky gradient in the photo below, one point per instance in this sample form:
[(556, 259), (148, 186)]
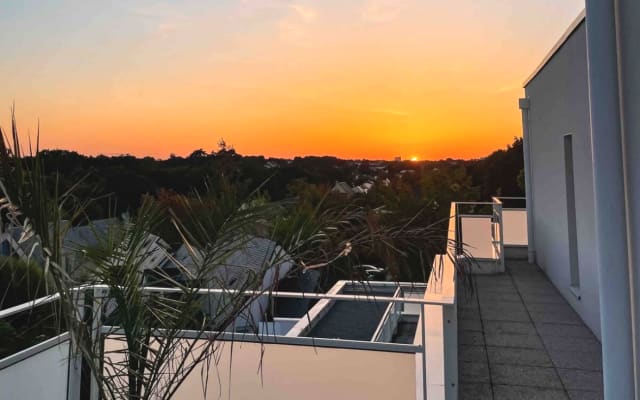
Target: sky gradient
[(351, 78)]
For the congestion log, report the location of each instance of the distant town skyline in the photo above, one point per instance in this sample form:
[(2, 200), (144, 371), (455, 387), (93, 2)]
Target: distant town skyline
[(366, 79)]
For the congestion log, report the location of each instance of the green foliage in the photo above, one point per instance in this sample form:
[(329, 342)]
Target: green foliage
[(497, 173), (20, 281), (521, 180)]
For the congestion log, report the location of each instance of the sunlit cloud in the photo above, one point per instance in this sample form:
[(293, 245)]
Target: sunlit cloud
[(164, 19), (382, 10), (251, 8), (293, 26), (306, 13)]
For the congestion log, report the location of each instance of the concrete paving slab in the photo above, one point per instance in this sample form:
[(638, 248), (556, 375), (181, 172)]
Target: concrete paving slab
[(584, 395), (471, 338), (537, 346), (517, 356), (509, 327), (475, 372), (577, 360), (519, 375), (563, 330), (472, 353), (475, 391), (575, 379), (513, 340), (506, 392)]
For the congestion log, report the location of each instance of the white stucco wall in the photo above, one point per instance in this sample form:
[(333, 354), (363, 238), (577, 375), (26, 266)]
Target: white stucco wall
[(559, 105), (40, 376), (289, 372)]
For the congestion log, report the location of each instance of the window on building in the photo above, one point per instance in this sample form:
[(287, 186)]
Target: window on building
[(571, 211)]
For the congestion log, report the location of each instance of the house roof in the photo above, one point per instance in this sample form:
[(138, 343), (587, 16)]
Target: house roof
[(563, 39), (342, 187), (88, 235), (252, 257)]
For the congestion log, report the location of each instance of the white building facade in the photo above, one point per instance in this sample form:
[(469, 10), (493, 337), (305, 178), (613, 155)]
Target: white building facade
[(581, 125)]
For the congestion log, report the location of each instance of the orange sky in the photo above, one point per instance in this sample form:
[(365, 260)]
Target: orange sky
[(355, 79)]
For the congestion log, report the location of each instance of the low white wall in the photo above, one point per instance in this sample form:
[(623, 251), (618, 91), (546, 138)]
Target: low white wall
[(476, 236), (39, 376), (514, 227), (290, 372)]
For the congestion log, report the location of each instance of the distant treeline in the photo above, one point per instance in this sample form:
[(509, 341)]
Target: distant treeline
[(126, 179)]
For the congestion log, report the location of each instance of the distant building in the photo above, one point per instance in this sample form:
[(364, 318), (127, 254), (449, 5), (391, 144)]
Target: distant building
[(342, 188), (76, 241), (246, 259)]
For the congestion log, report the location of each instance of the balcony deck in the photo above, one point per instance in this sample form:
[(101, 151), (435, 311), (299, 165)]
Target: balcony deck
[(520, 339)]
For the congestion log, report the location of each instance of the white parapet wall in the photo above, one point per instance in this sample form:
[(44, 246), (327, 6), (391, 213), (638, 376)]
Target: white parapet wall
[(440, 326), (270, 371), (515, 227), (39, 372)]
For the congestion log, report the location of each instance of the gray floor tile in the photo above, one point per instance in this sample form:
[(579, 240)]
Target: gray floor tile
[(570, 318), (505, 315), (537, 346), (464, 300), (574, 379), (519, 375), (492, 305), (505, 392), (471, 338), (590, 345), (549, 307), (492, 278), (471, 308), (577, 360), (564, 330), (476, 372), (551, 299), (506, 297), (584, 395), (475, 391), (502, 289), (528, 285), (468, 314), (472, 353), (512, 340), (469, 325), (509, 327), (538, 290), (508, 355)]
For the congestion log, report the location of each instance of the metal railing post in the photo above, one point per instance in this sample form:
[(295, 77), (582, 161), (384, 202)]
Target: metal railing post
[(423, 328), (501, 233), (74, 374), (96, 336)]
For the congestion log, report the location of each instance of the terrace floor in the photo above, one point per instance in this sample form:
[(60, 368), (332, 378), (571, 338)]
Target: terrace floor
[(519, 339)]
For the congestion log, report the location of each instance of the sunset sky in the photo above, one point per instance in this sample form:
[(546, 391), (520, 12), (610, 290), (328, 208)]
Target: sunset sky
[(351, 78)]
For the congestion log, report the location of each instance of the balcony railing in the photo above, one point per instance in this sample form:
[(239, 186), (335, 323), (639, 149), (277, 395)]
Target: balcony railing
[(479, 234), (424, 355), (514, 214)]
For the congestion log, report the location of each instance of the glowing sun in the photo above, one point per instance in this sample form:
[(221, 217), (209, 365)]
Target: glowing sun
[(414, 158)]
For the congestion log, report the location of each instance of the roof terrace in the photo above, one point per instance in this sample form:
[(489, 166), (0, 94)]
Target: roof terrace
[(512, 336)]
